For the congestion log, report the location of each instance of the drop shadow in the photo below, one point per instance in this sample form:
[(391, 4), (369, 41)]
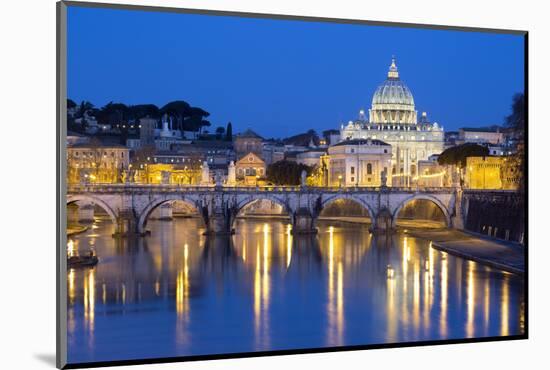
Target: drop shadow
[(47, 358)]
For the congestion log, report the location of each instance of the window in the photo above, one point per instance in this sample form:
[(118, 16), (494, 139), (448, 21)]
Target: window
[(369, 169), (352, 170), (352, 150), (352, 179)]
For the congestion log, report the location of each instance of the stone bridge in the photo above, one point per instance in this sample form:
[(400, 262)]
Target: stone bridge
[(130, 205)]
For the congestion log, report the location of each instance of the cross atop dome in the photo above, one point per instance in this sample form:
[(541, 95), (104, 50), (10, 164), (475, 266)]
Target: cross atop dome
[(393, 73)]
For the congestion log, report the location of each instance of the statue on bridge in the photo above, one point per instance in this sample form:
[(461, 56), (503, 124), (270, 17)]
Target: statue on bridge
[(383, 179), (165, 177), (128, 176), (217, 180), (231, 174), (303, 177), (205, 178)]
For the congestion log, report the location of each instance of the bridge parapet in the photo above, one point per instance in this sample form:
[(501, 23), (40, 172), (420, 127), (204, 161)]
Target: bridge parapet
[(219, 205), (133, 188)]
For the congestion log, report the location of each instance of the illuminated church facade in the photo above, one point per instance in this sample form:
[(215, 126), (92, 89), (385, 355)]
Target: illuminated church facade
[(393, 119)]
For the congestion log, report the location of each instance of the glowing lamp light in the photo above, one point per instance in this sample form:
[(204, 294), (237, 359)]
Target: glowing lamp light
[(390, 272), (70, 248)]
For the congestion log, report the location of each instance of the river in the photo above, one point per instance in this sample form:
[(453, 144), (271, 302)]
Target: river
[(178, 293)]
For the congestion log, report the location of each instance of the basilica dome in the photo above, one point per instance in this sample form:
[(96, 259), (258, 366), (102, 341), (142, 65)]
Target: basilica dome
[(393, 92), (393, 102)]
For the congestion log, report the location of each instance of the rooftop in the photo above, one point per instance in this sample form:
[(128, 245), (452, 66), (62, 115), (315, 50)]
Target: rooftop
[(98, 146), (249, 133), (362, 142), (482, 129)]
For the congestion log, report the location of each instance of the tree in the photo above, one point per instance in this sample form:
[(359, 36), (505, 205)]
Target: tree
[(303, 139), (457, 155), (516, 121), (143, 157), (94, 158), (113, 114), (219, 132), (286, 172), (176, 108), (187, 118), (229, 132), (84, 107), (135, 112)]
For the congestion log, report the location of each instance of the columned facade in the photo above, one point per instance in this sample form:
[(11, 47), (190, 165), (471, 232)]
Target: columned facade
[(393, 119)]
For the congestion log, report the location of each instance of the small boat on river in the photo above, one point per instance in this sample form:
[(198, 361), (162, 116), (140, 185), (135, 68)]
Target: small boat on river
[(77, 259), (82, 261)]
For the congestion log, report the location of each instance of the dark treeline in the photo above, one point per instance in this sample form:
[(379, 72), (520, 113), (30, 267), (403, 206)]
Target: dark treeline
[(184, 116), (286, 172), (457, 155)]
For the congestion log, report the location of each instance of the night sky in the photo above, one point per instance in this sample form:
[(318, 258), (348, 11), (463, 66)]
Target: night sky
[(284, 77)]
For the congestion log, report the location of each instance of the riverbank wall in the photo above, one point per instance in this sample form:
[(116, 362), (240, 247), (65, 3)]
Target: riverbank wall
[(497, 214)]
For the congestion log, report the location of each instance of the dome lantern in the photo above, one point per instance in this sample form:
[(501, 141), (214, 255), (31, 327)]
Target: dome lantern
[(393, 101), (393, 72)]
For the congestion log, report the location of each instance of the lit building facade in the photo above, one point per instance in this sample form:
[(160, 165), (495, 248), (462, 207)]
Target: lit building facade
[(393, 119), (491, 173), (250, 169), (310, 157), (248, 142), (488, 135), (177, 174), (357, 162), (431, 174), (272, 151), (94, 163)]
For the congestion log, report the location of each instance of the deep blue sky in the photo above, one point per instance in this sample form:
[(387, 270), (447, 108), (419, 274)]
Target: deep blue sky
[(284, 77)]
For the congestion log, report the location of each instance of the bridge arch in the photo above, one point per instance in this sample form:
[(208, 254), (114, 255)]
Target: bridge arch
[(144, 215), (87, 198), (430, 198), (241, 204), (327, 201)]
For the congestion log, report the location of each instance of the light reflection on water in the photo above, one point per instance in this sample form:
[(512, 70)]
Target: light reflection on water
[(177, 293)]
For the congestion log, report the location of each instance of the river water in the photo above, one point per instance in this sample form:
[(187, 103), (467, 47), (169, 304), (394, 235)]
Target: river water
[(178, 293)]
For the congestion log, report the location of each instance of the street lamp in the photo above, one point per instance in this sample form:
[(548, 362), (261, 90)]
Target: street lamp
[(339, 181), (257, 179)]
